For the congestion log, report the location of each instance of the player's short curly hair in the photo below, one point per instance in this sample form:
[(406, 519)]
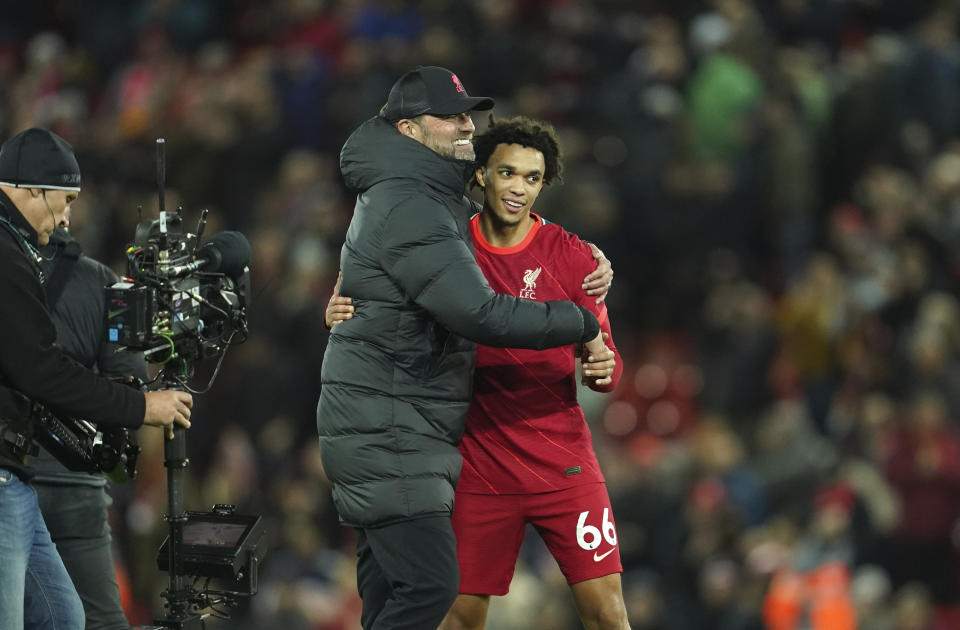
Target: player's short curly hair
[(526, 132)]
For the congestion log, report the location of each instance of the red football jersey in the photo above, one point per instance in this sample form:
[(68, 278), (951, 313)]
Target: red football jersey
[(525, 430)]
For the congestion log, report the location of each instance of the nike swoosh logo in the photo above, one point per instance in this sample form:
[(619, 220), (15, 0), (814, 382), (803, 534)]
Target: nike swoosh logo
[(112, 314), (598, 557)]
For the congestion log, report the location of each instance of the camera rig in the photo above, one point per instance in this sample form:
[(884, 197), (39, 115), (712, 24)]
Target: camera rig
[(182, 302)]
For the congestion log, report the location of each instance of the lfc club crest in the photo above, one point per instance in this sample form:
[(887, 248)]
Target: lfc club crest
[(530, 280)]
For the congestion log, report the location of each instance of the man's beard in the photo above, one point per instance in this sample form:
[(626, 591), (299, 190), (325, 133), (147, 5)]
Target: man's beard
[(449, 150)]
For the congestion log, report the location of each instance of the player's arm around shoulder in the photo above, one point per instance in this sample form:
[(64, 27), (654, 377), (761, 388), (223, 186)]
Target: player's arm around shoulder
[(339, 307), (600, 371), (599, 274)]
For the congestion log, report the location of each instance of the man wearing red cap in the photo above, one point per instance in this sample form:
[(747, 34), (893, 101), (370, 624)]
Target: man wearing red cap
[(397, 376)]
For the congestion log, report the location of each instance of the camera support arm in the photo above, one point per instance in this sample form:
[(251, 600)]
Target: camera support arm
[(179, 597)]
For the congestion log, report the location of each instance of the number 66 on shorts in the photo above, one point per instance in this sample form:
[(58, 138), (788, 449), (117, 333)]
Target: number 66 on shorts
[(588, 536), (576, 524)]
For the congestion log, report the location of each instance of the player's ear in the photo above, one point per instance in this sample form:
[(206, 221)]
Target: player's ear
[(478, 175)]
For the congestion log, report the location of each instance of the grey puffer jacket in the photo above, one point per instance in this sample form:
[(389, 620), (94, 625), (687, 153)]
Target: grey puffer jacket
[(396, 378)]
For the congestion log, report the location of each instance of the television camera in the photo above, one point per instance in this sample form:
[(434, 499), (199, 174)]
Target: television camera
[(181, 302)]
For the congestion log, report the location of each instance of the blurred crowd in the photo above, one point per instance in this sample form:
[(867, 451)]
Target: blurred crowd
[(777, 183)]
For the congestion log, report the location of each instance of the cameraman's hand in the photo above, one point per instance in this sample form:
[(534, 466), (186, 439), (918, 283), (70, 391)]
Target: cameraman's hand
[(166, 408), (339, 308)]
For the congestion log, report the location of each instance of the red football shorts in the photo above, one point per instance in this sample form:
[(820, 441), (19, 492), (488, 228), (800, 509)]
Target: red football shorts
[(576, 524)]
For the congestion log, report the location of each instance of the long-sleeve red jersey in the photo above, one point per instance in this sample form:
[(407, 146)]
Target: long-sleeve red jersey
[(525, 431)]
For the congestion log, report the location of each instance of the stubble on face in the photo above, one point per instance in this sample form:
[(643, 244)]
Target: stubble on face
[(442, 137), (464, 152), (40, 217), (56, 206)]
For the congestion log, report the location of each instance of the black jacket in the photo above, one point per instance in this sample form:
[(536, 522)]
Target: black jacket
[(30, 360), (79, 314), (396, 378)]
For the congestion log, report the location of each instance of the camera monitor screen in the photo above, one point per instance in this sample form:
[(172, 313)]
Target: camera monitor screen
[(218, 544), (213, 533)]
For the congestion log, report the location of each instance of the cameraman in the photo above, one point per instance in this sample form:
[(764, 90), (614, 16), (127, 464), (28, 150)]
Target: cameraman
[(75, 504), (39, 179)]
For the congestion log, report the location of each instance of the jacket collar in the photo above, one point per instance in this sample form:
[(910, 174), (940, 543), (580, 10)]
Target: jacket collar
[(13, 216), (376, 152)]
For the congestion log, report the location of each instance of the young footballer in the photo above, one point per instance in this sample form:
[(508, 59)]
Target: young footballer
[(527, 451)]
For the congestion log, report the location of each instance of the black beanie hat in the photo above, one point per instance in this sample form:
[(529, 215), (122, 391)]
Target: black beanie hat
[(38, 158)]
